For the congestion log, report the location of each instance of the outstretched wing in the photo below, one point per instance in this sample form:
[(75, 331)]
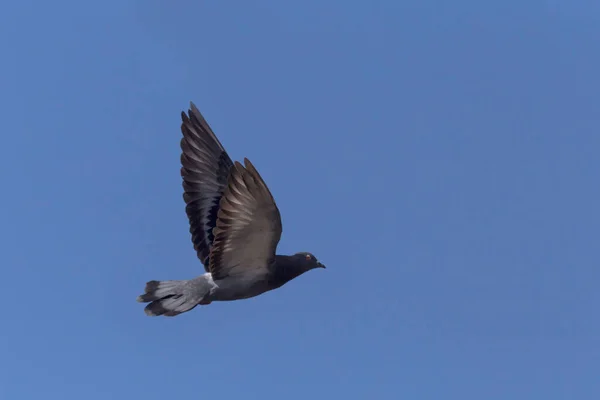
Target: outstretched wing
[(205, 167), (248, 226)]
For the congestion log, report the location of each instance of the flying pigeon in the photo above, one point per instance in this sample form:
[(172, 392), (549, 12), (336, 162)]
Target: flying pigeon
[(235, 227)]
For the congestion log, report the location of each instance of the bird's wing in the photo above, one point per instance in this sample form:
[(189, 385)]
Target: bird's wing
[(248, 226), (205, 166)]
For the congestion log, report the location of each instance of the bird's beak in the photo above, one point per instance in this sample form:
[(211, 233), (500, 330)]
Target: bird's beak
[(320, 265)]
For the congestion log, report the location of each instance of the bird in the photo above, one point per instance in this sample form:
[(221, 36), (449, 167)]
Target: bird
[(235, 227)]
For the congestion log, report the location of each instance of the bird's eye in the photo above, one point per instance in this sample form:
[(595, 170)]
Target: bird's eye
[(308, 257)]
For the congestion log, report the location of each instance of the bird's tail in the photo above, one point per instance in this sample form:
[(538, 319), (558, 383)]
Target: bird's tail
[(171, 298)]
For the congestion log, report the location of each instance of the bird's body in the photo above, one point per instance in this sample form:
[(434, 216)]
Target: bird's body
[(235, 227)]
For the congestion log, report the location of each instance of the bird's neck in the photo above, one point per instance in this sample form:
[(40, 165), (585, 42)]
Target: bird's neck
[(286, 269)]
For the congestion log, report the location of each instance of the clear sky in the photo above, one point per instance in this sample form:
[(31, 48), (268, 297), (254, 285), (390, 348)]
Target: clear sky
[(441, 158)]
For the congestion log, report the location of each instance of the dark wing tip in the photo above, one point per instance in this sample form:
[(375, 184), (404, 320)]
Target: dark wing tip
[(238, 166), (196, 113), (258, 177), (249, 166)]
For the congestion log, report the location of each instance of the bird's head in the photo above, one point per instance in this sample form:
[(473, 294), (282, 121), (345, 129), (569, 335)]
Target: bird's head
[(308, 261)]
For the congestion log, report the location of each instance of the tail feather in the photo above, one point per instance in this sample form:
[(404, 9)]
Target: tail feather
[(156, 289), (171, 298)]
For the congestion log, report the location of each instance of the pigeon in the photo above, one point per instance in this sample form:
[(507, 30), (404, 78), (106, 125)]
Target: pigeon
[(235, 227)]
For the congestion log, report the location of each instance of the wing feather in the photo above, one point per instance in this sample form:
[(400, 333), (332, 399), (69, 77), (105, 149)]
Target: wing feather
[(248, 226), (205, 166)]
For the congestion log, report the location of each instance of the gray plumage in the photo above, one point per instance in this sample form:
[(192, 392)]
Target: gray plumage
[(235, 227)]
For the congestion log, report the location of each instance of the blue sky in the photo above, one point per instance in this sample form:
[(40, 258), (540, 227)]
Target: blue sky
[(440, 157)]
